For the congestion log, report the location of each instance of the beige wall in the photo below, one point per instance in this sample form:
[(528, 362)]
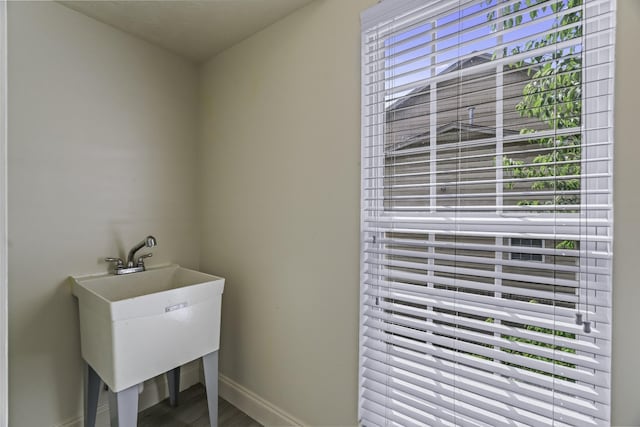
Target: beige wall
[(280, 174), (101, 148), (279, 166), (626, 280)]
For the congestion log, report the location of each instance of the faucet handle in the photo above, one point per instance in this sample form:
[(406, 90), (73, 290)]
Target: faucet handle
[(119, 264), (118, 261), (142, 257)]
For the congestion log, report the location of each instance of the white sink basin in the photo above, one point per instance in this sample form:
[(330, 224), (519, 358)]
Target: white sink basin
[(136, 326)]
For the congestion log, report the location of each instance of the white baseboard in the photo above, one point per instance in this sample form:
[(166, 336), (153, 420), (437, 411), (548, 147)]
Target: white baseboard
[(253, 405), (155, 390)]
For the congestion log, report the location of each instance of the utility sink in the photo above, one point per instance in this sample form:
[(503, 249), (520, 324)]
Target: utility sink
[(136, 326)]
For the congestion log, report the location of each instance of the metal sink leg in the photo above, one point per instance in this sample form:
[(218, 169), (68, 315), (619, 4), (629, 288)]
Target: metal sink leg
[(123, 407), (92, 384), (210, 364)]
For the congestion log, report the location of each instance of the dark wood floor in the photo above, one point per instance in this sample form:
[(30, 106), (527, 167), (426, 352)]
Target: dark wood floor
[(192, 412)]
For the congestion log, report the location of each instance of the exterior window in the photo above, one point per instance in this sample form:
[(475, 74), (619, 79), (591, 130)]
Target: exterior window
[(486, 212), (528, 243)]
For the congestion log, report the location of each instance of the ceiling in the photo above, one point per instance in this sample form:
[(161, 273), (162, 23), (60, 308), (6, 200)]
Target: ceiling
[(194, 29)]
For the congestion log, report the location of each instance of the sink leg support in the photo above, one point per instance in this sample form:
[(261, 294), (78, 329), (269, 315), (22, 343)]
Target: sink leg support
[(173, 379), (92, 384), (210, 364), (123, 407)]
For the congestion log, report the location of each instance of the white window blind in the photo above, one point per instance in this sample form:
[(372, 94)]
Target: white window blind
[(486, 211)]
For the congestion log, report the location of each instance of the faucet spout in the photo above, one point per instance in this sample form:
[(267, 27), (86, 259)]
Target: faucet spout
[(148, 242)]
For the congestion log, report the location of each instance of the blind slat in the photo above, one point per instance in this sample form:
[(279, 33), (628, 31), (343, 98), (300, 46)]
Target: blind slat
[(462, 351), (391, 268), (540, 315), (424, 258), (488, 325), (434, 368), (506, 401), (447, 333)]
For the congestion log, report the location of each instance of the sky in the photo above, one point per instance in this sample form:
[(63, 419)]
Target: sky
[(459, 33)]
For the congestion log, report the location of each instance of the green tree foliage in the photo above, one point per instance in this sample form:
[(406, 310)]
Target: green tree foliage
[(553, 96), (540, 330)]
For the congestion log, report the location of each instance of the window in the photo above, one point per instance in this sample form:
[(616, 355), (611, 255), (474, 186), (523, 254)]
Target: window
[(486, 212), (527, 243)]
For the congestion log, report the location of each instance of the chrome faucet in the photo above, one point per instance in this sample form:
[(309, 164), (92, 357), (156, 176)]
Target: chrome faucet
[(131, 267)]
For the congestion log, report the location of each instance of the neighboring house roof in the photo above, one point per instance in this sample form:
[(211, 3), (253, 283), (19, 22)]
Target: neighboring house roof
[(456, 66), (466, 63), (424, 137)]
